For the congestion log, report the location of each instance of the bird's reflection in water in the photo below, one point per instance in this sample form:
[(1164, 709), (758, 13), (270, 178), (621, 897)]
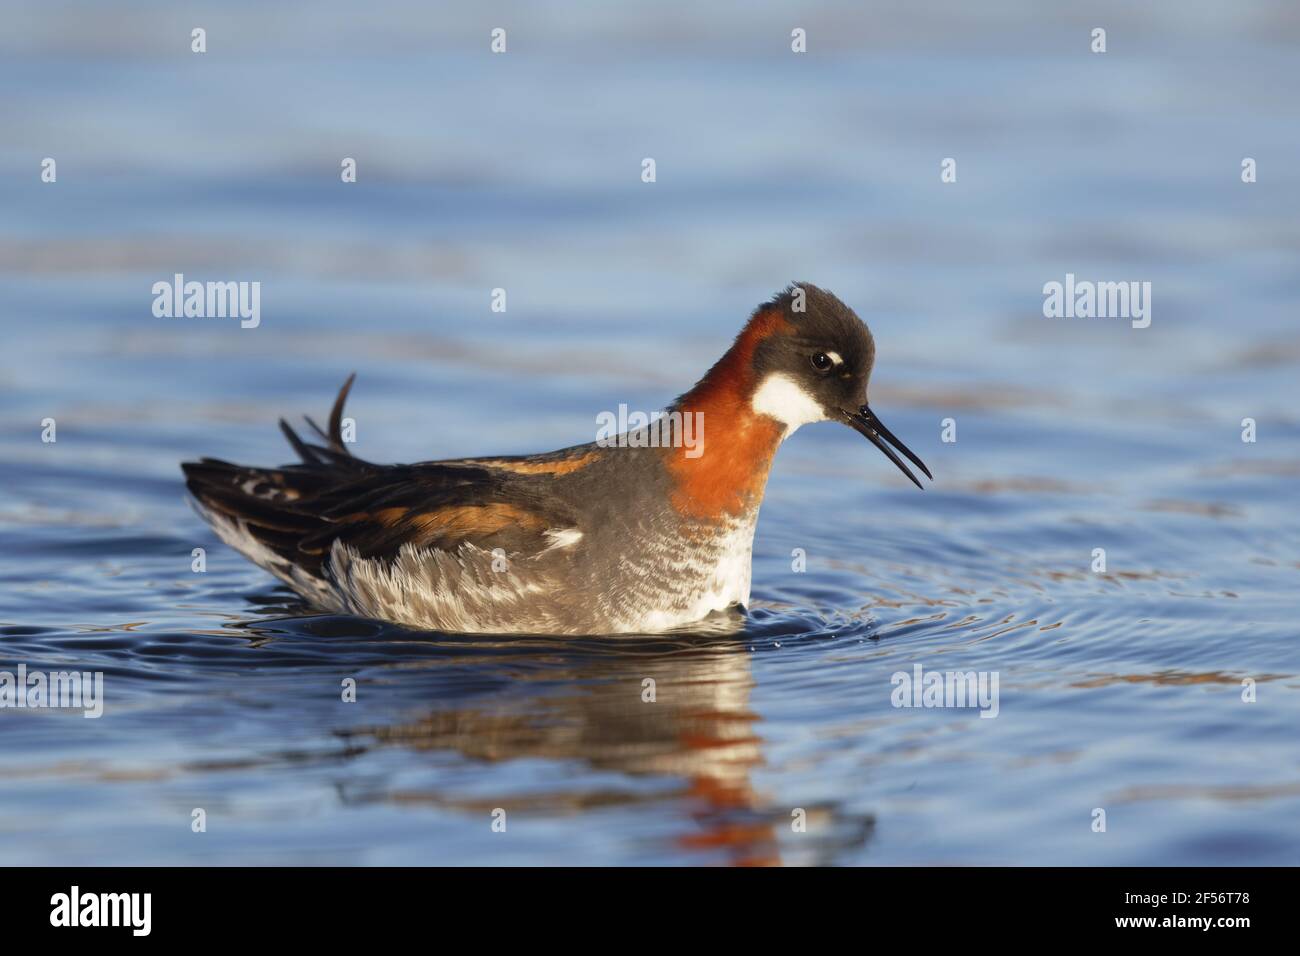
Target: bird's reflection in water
[(662, 707)]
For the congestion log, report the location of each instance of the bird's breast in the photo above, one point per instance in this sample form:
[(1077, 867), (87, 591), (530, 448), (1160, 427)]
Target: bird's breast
[(680, 579)]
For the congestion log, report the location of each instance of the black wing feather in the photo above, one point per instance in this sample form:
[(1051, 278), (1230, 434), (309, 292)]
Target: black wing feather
[(299, 510)]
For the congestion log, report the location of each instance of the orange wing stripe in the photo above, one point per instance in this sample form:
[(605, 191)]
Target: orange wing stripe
[(471, 520), (564, 466)]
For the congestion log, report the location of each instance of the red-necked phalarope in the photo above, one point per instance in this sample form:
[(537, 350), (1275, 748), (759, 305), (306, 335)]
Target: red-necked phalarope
[(625, 535)]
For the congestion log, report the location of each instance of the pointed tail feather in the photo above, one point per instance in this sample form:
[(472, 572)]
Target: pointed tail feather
[(258, 510)]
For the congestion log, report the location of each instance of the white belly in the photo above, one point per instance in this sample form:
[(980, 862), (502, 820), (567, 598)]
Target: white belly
[(715, 578)]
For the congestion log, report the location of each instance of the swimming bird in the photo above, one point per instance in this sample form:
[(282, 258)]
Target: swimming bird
[(622, 535)]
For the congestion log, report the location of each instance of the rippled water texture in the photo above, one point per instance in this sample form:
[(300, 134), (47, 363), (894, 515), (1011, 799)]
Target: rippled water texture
[(1120, 690)]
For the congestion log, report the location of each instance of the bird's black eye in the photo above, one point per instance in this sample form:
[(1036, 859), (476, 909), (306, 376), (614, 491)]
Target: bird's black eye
[(822, 362)]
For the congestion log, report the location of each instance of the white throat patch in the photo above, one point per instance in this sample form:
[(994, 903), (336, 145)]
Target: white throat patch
[(781, 397)]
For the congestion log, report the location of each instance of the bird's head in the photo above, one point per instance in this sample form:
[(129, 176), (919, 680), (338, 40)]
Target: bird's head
[(810, 360)]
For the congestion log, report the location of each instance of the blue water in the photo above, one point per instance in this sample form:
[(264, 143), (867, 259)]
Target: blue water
[(1120, 691)]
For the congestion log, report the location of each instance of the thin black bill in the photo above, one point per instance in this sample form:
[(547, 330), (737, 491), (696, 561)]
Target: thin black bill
[(865, 422)]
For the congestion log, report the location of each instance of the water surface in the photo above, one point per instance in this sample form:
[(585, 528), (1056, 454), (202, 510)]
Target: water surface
[(1119, 690)]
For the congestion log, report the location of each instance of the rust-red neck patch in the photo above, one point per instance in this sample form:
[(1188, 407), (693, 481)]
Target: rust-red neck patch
[(729, 477)]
